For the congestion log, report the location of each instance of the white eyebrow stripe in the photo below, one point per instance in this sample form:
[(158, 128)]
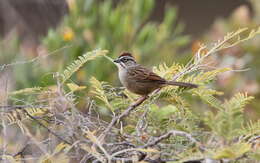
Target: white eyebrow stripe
[(126, 57)]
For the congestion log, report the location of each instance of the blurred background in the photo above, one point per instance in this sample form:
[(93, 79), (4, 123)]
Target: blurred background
[(40, 37)]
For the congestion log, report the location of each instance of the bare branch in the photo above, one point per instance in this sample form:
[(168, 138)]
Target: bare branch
[(49, 130), (167, 135), (2, 67)]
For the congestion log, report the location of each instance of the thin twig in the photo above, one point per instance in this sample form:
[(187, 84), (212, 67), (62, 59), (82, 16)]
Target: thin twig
[(49, 130), (142, 124), (254, 138), (122, 115), (8, 108), (124, 151), (195, 62), (21, 151), (167, 135), (2, 67), (126, 112)]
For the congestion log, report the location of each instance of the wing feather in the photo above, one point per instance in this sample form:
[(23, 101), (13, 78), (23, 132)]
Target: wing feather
[(142, 74)]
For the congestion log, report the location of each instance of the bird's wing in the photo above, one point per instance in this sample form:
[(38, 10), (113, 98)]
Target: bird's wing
[(142, 74)]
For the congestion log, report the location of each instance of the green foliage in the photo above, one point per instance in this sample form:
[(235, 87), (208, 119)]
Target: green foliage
[(207, 77), (168, 110), (26, 91), (99, 92), (232, 152), (93, 25), (207, 95), (229, 118), (163, 112), (18, 116), (80, 62), (124, 27), (220, 133)]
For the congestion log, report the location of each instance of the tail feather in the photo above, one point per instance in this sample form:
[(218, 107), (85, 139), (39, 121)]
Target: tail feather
[(182, 84)]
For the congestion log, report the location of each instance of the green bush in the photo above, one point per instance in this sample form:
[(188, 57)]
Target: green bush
[(162, 127), (124, 27)]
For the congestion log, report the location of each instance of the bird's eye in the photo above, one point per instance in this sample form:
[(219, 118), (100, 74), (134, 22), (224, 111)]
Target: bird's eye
[(124, 60)]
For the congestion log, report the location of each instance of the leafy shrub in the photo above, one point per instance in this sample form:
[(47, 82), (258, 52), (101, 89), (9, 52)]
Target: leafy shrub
[(162, 127), (125, 27)]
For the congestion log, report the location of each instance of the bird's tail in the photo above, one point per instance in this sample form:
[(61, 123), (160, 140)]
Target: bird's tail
[(182, 84)]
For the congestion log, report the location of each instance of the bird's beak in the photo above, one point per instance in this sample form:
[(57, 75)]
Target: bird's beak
[(116, 60)]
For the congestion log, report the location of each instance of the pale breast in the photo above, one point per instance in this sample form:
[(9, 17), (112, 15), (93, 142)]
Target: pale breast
[(122, 76)]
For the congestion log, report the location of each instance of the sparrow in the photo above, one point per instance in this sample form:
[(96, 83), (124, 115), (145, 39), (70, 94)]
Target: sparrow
[(140, 80)]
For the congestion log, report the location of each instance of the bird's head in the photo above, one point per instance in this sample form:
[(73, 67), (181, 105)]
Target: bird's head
[(125, 60)]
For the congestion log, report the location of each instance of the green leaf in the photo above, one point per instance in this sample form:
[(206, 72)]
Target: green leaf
[(75, 66), (26, 91), (60, 147), (206, 77), (232, 152), (238, 102), (74, 87), (207, 95), (256, 155), (99, 92), (163, 112)]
